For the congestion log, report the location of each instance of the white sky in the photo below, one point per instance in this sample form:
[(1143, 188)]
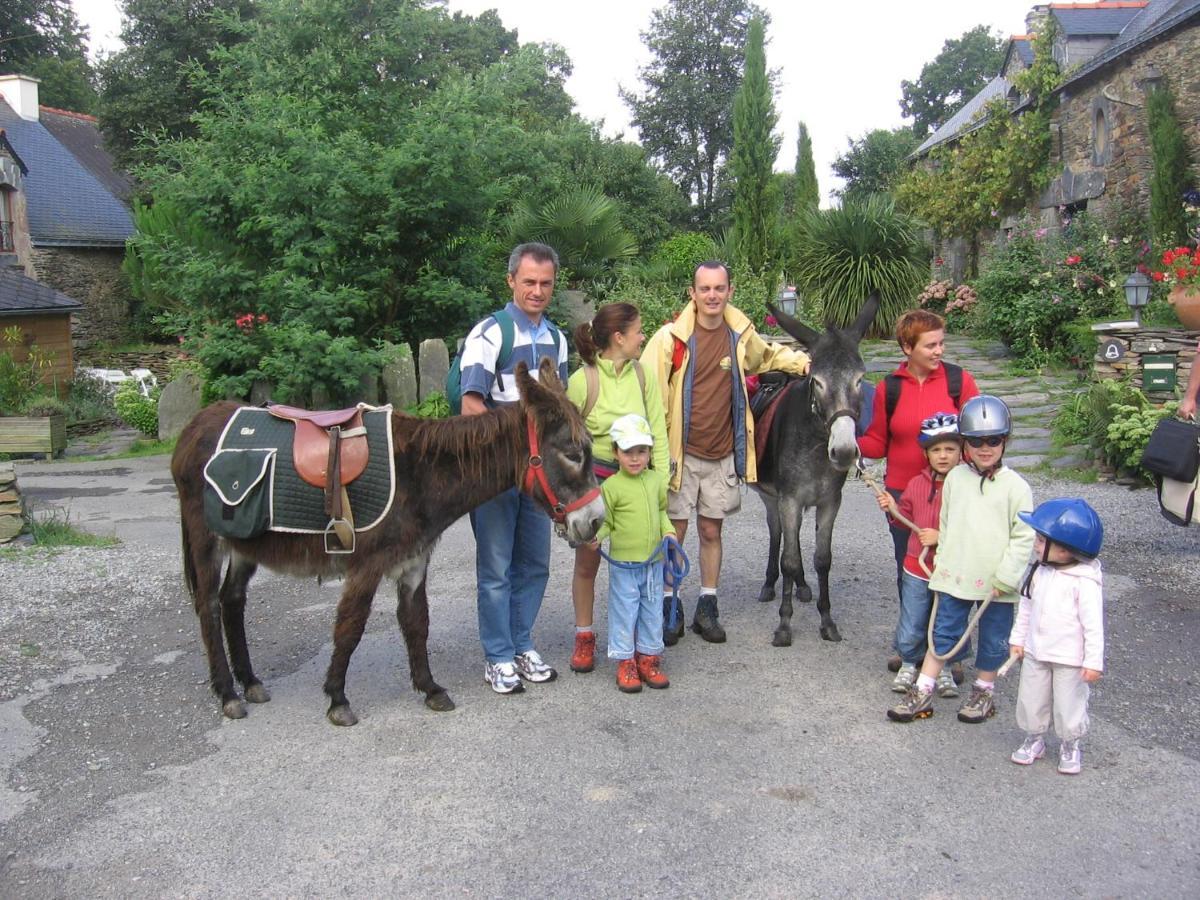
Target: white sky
[(840, 76)]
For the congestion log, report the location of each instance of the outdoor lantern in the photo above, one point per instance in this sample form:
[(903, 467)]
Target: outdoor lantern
[(1137, 294), (787, 300)]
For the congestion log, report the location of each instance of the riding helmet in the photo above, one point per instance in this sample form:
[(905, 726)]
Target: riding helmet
[(1069, 522), (938, 427), (984, 416)]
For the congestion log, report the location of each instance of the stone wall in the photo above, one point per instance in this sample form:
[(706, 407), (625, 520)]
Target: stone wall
[(1136, 343), (1103, 140), (93, 277)]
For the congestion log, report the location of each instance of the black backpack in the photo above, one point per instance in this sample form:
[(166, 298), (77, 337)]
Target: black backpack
[(892, 383)]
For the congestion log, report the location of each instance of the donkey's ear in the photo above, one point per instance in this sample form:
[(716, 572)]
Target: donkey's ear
[(793, 326), (548, 374), (866, 315), (532, 392)]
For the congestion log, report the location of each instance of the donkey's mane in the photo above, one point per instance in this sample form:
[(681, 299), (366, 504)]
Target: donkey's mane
[(462, 438)]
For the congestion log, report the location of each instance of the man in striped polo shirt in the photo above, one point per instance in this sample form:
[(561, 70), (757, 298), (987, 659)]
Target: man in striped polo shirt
[(512, 533)]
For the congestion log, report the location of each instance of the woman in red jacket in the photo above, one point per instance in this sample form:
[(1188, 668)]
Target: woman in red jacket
[(920, 387)]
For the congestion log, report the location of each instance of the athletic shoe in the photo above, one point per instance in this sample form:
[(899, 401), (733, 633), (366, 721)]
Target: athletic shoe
[(628, 680), (584, 657), (1033, 749), (650, 671), (1070, 757), (977, 708), (503, 678), (531, 668), (905, 678), (917, 704), (945, 684)]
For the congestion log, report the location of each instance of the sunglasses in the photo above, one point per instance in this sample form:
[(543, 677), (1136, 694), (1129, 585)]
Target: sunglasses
[(993, 441)]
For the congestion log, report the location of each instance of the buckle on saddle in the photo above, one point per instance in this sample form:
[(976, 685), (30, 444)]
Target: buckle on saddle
[(339, 536)]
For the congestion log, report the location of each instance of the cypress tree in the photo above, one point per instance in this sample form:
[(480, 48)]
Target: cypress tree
[(807, 192), (754, 151), (1168, 224)]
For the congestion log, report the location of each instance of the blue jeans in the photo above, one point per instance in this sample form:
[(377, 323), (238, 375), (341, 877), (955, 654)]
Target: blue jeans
[(994, 628), (635, 616), (512, 566), (915, 603), (900, 534)]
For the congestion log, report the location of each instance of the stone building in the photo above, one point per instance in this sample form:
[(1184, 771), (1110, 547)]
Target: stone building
[(76, 209), (1113, 54)]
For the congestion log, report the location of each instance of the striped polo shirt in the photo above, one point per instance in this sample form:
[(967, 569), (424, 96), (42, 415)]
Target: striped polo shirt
[(530, 343)]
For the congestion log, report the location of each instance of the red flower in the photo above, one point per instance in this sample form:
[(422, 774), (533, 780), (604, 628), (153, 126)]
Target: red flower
[(1074, 259), (1158, 276)]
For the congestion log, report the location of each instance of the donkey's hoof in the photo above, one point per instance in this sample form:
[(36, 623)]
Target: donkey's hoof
[(234, 709), (342, 715), (830, 632), (439, 701), (257, 693), (804, 593), (782, 638), (766, 595)]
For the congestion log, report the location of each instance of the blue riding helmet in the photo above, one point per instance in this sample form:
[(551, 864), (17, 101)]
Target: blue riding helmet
[(984, 416), (938, 427), (1069, 522)]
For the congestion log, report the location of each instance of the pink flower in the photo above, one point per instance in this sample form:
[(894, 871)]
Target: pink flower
[(771, 320), (1074, 260)]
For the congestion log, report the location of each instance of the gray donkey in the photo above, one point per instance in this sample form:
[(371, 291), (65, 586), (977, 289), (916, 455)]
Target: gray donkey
[(810, 449)]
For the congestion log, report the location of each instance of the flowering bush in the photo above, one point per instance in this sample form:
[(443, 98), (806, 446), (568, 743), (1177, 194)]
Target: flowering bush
[(1181, 265), (953, 303)]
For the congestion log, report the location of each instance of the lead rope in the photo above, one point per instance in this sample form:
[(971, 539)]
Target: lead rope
[(870, 482), (675, 563)]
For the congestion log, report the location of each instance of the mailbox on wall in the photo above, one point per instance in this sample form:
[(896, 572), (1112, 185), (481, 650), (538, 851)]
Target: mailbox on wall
[(1158, 373)]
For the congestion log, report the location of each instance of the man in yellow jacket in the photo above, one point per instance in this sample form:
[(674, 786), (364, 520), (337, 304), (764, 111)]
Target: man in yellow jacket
[(700, 361)]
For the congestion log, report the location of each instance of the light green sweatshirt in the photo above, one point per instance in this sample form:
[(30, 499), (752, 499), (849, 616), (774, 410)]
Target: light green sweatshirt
[(635, 514), (620, 394), (981, 542)]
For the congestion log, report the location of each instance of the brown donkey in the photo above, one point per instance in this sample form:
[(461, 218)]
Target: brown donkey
[(444, 468)]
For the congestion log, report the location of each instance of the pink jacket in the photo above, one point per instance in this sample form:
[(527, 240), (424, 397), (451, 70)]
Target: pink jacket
[(1064, 620)]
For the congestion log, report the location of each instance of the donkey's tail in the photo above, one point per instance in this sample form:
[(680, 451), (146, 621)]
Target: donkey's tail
[(189, 563)]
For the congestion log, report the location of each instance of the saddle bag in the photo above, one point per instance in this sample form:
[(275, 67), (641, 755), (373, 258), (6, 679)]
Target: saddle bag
[(1173, 450), (237, 492)]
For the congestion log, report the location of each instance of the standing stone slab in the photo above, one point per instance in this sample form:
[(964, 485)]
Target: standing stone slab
[(433, 366), (399, 376), (180, 401)]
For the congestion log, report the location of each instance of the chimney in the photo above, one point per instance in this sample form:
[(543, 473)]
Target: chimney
[(21, 93), (1037, 15)]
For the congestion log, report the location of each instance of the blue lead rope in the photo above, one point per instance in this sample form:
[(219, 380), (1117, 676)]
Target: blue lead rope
[(675, 564)]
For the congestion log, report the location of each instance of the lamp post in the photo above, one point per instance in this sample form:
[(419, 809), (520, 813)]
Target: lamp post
[(787, 300), (1137, 294)]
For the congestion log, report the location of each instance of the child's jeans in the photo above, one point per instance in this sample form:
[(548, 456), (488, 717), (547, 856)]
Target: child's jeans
[(635, 612), (995, 625), (915, 603), (1052, 685)]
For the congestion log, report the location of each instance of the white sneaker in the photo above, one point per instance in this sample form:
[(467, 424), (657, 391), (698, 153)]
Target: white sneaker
[(1070, 758), (1033, 749), (945, 683), (531, 667), (503, 678), (905, 676)]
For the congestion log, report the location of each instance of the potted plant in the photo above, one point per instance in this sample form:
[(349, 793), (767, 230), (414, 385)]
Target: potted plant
[(1181, 270)]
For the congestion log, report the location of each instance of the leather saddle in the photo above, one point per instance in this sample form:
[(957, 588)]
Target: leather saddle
[(329, 450)]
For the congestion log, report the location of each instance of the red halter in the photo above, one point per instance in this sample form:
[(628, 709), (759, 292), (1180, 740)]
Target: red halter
[(536, 472)]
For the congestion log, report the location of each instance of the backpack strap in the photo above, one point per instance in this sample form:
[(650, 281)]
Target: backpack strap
[(954, 385), (954, 382), (677, 353), (508, 330), (891, 395), (591, 377), (641, 377)]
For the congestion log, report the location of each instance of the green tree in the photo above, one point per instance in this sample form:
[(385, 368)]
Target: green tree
[(807, 191), (43, 38), (874, 162), (753, 157), (954, 76), (583, 225), (1168, 222), (685, 115)]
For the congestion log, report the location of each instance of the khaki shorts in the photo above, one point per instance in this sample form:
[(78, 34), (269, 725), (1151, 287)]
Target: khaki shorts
[(709, 487)]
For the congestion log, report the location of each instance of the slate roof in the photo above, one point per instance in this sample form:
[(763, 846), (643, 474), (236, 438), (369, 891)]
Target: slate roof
[(68, 205), (16, 157), (1105, 20), (79, 134), (1156, 19), (22, 296), (959, 122), (1022, 46)]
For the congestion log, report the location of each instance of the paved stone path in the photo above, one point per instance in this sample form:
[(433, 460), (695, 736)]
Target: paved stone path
[(1034, 399)]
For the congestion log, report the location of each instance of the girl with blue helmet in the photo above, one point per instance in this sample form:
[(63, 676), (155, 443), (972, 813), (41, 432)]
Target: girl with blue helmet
[(1059, 630)]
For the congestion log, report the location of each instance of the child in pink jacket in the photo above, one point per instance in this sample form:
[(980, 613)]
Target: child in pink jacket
[(1059, 630)]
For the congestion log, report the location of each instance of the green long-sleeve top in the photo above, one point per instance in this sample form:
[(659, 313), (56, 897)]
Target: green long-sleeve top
[(621, 394), (635, 514), (981, 542)]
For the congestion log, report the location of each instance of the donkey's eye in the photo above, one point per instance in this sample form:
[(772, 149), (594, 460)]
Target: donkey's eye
[(575, 456), (818, 384)]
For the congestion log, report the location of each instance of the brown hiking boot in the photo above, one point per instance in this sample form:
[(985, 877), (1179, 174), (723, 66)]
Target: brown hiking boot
[(628, 680), (894, 662), (584, 657), (650, 671), (705, 622)]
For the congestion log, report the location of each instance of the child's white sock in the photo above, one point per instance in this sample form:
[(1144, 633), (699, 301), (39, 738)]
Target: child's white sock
[(988, 686), (925, 683)]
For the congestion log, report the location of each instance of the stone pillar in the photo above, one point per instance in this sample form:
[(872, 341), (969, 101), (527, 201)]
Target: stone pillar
[(12, 519), (179, 402), (399, 376), (433, 367)]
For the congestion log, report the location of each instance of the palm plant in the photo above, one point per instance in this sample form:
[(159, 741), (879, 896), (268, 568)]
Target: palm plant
[(582, 224), (844, 253)]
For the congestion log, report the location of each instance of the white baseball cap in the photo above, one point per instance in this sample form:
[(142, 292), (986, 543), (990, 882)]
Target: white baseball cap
[(631, 430)]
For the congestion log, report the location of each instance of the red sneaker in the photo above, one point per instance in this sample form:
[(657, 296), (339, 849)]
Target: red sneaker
[(649, 670), (584, 657), (627, 677)]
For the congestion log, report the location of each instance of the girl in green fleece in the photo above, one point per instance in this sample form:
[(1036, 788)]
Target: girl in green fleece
[(635, 522)]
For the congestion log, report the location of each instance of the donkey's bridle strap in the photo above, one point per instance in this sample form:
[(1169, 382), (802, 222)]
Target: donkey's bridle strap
[(535, 472)]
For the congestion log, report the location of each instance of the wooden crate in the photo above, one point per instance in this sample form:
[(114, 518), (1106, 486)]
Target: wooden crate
[(40, 434)]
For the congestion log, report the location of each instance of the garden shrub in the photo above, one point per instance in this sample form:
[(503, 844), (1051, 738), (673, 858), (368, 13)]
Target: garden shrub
[(20, 381), (1113, 421), (136, 410)]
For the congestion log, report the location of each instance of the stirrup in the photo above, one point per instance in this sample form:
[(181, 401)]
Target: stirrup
[(338, 528)]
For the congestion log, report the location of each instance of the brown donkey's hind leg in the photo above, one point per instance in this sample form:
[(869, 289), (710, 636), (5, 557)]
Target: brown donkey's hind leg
[(233, 614), (412, 612)]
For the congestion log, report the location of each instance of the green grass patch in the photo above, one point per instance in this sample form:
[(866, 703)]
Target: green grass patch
[(53, 528), (140, 447)]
